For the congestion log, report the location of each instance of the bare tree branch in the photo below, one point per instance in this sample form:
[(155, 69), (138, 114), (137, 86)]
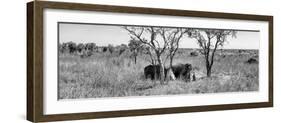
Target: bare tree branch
[(209, 40)]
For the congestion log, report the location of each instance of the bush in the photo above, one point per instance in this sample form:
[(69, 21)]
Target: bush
[(194, 53), (252, 61)]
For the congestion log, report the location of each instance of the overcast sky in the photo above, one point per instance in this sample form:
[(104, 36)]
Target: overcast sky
[(103, 35)]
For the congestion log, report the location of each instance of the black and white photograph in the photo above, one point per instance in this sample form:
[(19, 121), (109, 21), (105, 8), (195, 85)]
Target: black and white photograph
[(107, 60), (94, 60)]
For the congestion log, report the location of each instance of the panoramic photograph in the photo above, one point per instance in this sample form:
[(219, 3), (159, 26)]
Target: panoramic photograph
[(107, 60)]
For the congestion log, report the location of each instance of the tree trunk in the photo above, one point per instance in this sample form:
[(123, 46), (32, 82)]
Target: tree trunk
[(135, 59), (170, 75), (162, 71), (207, 66), (155, 75), (209, 71), (171, 61), (151, 57)]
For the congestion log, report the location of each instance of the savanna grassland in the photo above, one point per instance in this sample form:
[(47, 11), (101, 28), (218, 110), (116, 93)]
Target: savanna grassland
[(114, 75)]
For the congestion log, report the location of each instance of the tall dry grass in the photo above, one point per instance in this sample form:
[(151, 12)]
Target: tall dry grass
[(109, 75)]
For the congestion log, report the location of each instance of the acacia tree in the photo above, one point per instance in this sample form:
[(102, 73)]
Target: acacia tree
[(148, 36), (71, 47), (173, 37), (80, 47), (91, 47), (135, 47), (122, 48), (110, 48), (209, 40), (63, 47)]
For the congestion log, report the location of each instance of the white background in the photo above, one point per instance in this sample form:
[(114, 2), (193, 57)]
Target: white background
[(13, 61)]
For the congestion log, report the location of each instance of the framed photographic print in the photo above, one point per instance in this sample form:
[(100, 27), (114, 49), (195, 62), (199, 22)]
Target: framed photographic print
[(96, 61)]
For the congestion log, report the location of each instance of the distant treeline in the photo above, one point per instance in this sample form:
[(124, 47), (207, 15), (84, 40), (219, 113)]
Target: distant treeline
[(72, 48)]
